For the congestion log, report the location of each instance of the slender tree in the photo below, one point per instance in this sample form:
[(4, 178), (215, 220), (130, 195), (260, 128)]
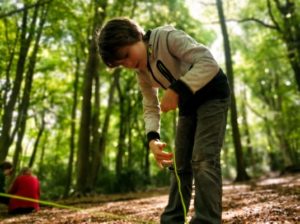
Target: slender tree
[(38, 138), (91, 71), (73, 126), (241, 169), (4, 89), (249, 147), (97, 158), (25, 101), (25, 41)]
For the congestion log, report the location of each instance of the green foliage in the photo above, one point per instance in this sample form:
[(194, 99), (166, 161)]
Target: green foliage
[(272, 88), (130, 180), (162, 178)]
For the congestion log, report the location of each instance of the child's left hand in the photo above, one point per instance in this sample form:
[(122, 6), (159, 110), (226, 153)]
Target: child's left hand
[(169, 101)]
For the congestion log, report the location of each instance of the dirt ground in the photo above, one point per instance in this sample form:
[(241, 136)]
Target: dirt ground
[(268, 200)]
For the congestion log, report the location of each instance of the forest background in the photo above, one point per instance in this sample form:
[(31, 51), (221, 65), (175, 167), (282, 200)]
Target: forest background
[(79, 125)]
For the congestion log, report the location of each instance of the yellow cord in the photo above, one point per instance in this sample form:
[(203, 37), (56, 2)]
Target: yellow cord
[(179, 188), (49, 203)]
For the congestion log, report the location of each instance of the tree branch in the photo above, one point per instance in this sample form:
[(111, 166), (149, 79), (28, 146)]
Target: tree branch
[(272, 16), (39, 3), (257, 21)]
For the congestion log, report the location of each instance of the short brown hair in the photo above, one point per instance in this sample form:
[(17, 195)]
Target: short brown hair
[(117, 33), (5, 165), (25, 170)]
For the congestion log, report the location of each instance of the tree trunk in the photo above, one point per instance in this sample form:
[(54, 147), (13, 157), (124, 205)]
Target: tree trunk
[(124, 124), (129, 132), (100, 149), (249, 154), (241, 170), (37, 141), (280, 131), (5, 137), (25, 101), (289, 29), (84, 132), (73, 128), (95, 126), (41, 162), (4, 91), (291, 34), (122, 131), (91, 71), (295, 62)]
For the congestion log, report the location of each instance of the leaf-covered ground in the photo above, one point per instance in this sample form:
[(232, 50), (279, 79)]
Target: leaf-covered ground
[(269, 200)]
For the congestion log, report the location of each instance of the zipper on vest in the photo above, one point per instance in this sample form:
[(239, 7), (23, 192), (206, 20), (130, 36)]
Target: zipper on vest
[(150, 69), (165, 72)]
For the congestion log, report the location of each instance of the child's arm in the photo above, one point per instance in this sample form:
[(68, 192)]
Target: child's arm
[(203, 65), (152, 122), (151, 108)]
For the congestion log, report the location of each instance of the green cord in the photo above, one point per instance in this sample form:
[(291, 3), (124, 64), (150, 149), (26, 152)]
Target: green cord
[(179, 187), (52, 204)]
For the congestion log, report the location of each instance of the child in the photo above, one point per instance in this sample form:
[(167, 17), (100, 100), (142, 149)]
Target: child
[(25, 185), (170, 59), (6, 169)]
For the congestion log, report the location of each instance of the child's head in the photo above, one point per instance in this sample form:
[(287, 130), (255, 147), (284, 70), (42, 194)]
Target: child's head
[(6, 167), (26, 171), (115, 34)]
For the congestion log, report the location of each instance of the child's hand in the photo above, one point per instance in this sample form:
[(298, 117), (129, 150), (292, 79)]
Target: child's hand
[(169, 101), (162, 158)]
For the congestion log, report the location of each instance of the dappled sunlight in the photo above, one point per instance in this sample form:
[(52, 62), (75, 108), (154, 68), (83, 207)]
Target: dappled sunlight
[(264, 201), (270, 199), (282, 180)]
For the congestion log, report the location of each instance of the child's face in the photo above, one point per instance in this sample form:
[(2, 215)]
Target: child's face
[(133, 56), (7, 172)]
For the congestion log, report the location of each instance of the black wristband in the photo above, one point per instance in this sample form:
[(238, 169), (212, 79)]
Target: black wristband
[(152, 135)]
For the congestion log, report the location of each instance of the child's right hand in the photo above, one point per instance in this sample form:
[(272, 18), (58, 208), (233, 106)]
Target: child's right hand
[(162, 158)]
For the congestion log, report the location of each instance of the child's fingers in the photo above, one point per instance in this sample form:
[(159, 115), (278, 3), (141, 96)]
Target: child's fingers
[(167, 163), (164, 163), (162, 145), (159, 164), (164, 156)]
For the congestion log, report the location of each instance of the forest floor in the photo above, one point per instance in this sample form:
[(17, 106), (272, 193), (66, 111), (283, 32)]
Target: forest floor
[(269, 200)]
